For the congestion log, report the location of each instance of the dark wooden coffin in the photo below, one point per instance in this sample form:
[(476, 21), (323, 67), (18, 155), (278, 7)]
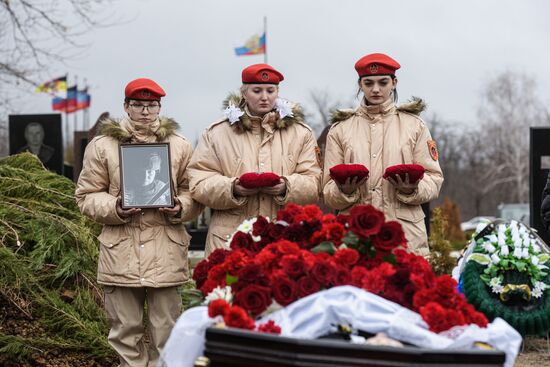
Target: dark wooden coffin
[(241, 348)]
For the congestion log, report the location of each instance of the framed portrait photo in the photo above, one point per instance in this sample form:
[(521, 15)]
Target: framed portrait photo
[(145, 176)]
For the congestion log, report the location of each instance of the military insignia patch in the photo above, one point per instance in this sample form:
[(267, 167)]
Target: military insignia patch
[(432, 148), (145, 93), (265, 76), (374, 69), (318, 154)]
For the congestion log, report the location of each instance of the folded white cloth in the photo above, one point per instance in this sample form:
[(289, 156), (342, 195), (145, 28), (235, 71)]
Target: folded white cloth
[(312, 316)]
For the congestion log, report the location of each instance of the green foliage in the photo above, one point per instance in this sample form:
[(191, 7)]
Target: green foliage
[(440, 246), (48, 259)]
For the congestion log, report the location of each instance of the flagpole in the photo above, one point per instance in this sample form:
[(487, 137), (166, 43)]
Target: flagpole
[(66, 114), (265, 39)]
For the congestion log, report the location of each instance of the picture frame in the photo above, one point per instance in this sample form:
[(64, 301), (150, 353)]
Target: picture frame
[(38, 134), (146, 175)]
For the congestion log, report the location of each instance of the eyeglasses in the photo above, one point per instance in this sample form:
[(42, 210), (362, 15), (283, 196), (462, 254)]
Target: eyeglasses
[(138, 107)]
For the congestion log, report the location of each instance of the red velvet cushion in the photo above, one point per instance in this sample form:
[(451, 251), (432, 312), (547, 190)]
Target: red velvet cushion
[(341, 172), (252, 180), (415, 171)]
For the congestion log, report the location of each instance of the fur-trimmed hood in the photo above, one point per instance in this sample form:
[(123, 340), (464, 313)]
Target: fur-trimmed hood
[(111, 127), (235, 100), (415, 106)]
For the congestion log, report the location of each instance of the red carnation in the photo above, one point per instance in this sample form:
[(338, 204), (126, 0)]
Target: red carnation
[(341, 172), (249, 274), (285, 291), (415, 171), (269, 327), (237, 317), (313, 212), (253, 298), (346, 257), (365, 220), (218, 307), (307, 285), (357, 275), (391, 235), (289, 212)]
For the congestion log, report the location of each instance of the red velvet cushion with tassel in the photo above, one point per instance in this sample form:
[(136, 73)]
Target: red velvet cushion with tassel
[(252, 180), (415, 171), (341, 172)]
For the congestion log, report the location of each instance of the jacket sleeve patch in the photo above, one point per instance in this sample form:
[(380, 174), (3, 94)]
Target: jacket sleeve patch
[(432, 148)]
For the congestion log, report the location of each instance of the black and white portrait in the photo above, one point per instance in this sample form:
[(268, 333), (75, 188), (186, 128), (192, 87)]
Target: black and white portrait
[(39, 135), (145, 175)]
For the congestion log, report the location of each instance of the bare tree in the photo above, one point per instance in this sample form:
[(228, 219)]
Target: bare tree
[(510, 106), (34, 35)]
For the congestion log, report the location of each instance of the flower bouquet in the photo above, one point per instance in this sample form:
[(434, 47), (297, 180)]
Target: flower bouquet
[(504, 273), (271, 264)]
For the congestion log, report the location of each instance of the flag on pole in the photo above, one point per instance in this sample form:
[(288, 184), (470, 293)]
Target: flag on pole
[(59, 104), (71, 104), (254, 46), (83, 99), (56, 85)]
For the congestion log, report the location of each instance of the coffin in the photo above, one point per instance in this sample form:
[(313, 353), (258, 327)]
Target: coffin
[(240, 348)]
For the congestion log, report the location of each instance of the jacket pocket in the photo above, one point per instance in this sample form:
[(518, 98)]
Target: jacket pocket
[(177, 249), (290, 164), (410, 213), (115, 251)]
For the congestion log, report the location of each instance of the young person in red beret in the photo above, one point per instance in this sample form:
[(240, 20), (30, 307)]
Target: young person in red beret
[(380, 135), (143, 252), (260, 133)]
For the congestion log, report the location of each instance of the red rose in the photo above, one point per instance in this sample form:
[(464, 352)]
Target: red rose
[(253, 298), (285, 291), (346, 257), (218, 307), (269, 327), (200, 273), (365, 220), (242, 240), (322, 271), (293, 265), (260, 226), (217, 257), (238, 317), (391, 235), (307, 285), (342, 277), (249, 274)]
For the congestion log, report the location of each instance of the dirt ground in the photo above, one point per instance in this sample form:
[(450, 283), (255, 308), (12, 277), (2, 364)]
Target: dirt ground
[(536, 353)]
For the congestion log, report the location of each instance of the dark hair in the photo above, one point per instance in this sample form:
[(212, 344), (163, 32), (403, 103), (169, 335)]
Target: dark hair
[(392, 76)]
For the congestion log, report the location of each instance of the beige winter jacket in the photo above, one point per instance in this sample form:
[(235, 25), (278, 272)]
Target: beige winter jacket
[(225, 151), (379, 137), (149, 249)]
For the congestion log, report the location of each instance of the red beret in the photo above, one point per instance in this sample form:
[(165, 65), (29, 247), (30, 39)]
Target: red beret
[(144, 89), (252, 180), (261, 74), (341, 172), (415, 171), (376, 64)]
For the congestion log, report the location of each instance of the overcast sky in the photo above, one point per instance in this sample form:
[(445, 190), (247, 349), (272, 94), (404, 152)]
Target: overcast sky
[(447, 50)]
